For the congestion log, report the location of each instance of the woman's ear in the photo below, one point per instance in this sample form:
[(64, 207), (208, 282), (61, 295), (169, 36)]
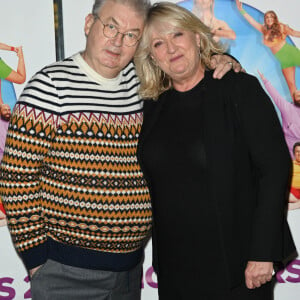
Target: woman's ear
[(153, 59), (198, 39)]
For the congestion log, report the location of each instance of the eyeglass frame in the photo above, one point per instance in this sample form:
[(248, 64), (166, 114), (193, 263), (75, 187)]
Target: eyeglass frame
[(117, 32)]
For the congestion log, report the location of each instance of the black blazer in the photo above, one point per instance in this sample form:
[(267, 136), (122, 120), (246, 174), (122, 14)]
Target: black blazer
[(252, 171)]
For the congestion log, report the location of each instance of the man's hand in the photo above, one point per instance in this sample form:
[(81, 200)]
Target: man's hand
[(258, 273), (222, 64), (32, 271)]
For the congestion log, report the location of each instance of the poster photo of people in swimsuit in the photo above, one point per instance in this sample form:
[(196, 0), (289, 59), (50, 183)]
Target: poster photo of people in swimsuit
[(266, 47), (8, 76), (265, 37)]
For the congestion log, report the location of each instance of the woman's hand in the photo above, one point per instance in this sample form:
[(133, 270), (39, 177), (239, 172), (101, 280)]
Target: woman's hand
[(19, 51), (239, 5), (258, 273), (261, 75)]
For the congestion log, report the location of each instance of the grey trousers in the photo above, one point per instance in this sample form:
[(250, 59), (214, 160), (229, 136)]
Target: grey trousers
[(56, 281)]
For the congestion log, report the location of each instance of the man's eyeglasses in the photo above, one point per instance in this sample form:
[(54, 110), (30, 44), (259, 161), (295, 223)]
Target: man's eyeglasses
[(111, 31)]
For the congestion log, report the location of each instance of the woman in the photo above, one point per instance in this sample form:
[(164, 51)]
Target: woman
[(215, 159), (274, 37), (204, 9)]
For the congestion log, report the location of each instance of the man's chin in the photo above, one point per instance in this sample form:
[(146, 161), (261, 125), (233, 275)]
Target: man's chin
[(6, 119)]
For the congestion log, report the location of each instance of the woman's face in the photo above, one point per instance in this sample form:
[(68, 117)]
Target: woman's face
[(269, 19), (176, 51)]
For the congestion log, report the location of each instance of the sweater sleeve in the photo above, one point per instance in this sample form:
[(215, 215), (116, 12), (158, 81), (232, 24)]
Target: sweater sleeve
[(32, 127), (271, 165)]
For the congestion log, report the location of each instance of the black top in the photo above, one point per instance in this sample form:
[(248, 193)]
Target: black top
[(175, 158), (218, 168)]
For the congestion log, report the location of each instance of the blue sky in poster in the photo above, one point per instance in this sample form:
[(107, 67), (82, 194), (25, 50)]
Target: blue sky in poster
[(248, 47), (8, 93)]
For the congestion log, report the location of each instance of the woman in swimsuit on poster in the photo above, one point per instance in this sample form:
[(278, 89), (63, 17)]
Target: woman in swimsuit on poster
[(274, 37)]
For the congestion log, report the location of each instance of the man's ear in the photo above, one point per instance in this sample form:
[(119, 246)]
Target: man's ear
[(89, 21)]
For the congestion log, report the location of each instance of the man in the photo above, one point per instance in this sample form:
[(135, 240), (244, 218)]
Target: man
[(78, 206), (294, 198)]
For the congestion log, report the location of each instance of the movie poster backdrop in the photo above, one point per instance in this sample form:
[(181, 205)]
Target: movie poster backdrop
[(19, 26)]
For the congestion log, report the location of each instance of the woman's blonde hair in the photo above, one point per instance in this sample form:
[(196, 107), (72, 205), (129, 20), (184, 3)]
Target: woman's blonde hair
[(153, 80)]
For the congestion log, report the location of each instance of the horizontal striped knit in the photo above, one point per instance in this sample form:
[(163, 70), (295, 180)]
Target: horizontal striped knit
[(69, 174)]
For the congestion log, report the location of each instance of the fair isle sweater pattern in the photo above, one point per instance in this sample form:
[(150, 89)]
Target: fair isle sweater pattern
[(70, 171)]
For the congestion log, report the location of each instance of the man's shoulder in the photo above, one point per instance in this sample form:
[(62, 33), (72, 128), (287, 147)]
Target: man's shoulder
[(233, 81), (67, 63), (129, 69)]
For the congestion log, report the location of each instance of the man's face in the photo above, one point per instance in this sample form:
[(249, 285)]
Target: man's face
[(297, 154), (108, 56), (5, 112)]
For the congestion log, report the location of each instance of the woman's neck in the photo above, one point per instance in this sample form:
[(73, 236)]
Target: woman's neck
[(184, 84)]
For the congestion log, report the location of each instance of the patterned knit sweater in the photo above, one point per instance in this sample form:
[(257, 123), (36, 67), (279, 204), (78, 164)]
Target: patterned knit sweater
[(71, 184)]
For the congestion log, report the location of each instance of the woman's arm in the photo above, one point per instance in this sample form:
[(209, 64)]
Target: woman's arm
[(290, 31), (251, 20), (271, 165), (222, 30), (18, 76), (280, 102), (7, 47)]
